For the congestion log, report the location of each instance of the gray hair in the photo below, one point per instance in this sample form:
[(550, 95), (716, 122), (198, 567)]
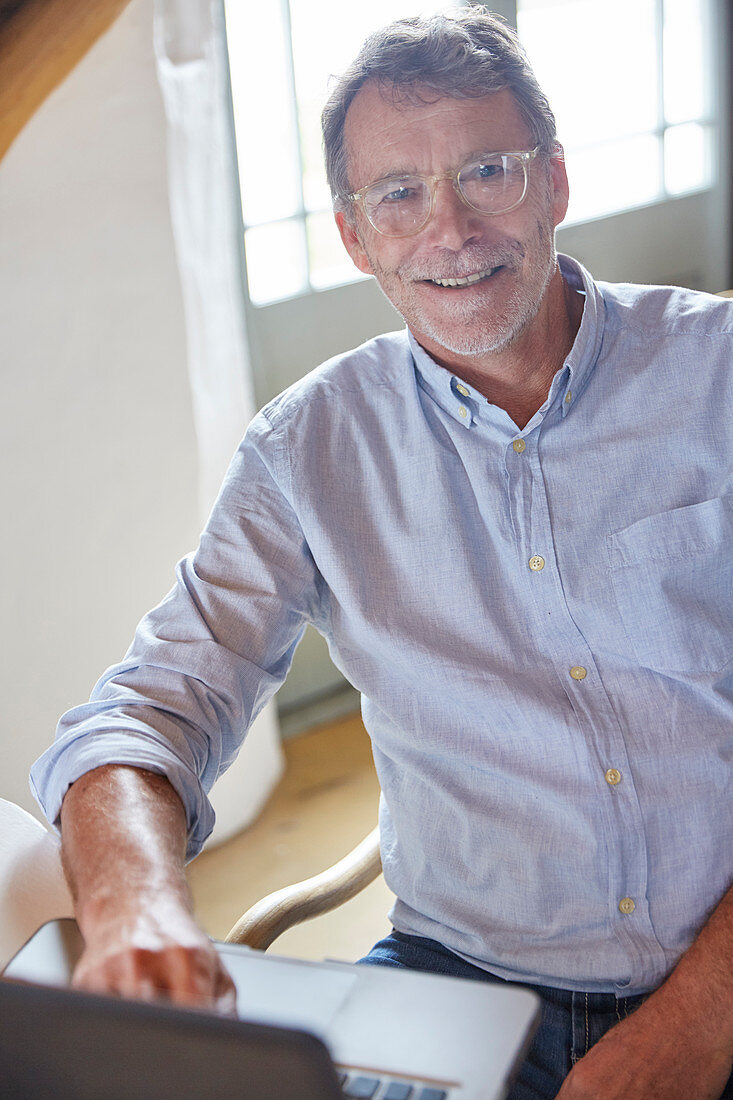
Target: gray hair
[(464, 54)]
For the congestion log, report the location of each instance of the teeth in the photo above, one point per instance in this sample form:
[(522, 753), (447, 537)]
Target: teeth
[(466, 281)]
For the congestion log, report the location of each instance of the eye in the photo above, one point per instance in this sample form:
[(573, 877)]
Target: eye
[(483, 171), (397, 191), (399, 194)]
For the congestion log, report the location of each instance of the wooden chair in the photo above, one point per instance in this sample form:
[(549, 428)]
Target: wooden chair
[(269, 918)]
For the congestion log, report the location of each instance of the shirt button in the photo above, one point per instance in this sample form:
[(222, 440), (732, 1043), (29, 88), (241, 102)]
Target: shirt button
[(627, 905), (536, 563), (462, 390), (463, 411), (613, 776), (519, 445), (568, 397), (578, 672)]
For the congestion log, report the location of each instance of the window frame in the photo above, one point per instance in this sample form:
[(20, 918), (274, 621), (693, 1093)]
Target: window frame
[(711, 121)]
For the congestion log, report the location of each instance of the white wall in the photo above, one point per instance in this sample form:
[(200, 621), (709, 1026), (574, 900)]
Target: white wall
[(98, 494)]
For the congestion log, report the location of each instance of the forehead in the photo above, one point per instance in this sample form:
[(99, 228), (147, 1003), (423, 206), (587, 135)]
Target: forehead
[(384, 135)]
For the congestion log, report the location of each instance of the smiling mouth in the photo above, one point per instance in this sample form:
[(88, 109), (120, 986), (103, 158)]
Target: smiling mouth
[(467, 280)]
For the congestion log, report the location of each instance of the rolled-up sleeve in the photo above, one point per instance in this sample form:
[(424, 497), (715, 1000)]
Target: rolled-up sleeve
[(205, 661)]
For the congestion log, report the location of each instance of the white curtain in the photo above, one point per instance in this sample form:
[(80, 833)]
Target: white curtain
[(192, 70)]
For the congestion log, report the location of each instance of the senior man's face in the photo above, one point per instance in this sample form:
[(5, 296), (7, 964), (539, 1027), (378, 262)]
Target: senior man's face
[(514, 252)]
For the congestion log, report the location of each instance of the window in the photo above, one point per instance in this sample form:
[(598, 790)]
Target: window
[(630, 84), (281, 58), (631, 87)]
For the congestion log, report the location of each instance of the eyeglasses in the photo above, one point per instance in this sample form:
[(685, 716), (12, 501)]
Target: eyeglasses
[(401, 205)]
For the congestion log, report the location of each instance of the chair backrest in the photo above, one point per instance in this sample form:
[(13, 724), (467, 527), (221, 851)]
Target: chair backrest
[(32, 884), (269, 918)]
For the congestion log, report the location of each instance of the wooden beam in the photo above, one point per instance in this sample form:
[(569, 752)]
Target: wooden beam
[(40, 43)]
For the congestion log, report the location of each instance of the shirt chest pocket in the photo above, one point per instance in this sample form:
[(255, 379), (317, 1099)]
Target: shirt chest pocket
[(672, 576)]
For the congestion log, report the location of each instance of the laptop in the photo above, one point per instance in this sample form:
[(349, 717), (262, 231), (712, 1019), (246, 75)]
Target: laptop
[(306, 1030)]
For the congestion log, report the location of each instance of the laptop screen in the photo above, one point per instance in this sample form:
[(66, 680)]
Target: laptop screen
[(66, 1045)]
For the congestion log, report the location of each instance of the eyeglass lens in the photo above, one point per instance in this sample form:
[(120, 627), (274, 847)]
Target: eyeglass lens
[(401, 206)]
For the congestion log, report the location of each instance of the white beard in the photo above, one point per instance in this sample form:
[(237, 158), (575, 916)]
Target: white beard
[(468, 330)]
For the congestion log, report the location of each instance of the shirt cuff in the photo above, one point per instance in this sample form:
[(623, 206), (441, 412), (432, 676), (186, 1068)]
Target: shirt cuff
[(61, 765)]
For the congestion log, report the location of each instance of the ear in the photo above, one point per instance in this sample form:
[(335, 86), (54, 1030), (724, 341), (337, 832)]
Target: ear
[(559, 184), (352, 242)]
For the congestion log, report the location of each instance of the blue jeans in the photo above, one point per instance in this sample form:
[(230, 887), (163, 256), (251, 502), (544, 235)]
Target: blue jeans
[(569, 1025)]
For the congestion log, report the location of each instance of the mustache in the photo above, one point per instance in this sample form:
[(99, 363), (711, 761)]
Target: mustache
[(444, 263)]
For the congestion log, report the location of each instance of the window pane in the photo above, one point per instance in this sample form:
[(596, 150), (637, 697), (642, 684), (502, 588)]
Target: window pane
[(329, 261), (613, 177), (687, 158), (264, 115), (319, 55), (686, 75), (276, 261), (597, 64)]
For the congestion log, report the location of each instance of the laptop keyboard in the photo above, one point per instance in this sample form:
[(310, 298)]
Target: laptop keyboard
[(360, 1086)]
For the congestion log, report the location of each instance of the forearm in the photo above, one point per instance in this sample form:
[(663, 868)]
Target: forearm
[(699, 991), (123, 831), (123, 836), (679, 1043)]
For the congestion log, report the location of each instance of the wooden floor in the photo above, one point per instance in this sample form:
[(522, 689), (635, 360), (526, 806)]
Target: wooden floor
[(324, 805)]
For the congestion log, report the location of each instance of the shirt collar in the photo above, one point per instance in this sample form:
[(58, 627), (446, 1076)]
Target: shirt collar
[(586, 347), (455, 396), (463, 402)]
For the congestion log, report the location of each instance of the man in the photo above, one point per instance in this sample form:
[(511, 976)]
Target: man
[(512, 524)]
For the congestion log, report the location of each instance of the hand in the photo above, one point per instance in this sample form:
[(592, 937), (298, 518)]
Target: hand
[(159, 953), (649, 1056), (123, 833)]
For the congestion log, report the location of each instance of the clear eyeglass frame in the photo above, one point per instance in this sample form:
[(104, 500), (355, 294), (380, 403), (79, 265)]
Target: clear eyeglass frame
[(523, 155)]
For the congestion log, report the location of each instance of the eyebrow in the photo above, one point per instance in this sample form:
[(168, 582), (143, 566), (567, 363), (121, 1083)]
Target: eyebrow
[(396, 173), (411, 170)]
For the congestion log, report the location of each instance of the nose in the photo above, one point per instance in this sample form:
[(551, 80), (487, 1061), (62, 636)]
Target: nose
[(452, 224)]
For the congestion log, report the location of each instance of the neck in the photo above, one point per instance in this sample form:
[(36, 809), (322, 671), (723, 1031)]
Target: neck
[(518, 377)]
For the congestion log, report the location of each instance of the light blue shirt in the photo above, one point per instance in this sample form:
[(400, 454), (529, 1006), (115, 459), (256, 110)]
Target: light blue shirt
[(539, 622)]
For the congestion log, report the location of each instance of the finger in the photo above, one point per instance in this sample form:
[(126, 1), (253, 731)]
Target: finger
[(96, 974), (226, 994), (187, 975), (191, 976)]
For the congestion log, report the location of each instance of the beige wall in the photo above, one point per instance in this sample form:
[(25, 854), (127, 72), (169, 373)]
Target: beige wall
[(98, 491)]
